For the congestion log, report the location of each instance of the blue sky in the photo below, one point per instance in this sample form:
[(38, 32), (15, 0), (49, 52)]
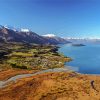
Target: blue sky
[(66, 18)]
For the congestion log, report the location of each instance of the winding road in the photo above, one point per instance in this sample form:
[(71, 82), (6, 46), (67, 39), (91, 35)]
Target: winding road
[(5, 83)]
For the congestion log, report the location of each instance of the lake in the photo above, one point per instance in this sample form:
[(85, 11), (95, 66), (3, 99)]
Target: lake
[(86, 59)]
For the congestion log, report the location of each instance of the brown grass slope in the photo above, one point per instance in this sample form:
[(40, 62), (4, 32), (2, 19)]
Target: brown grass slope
[(53, 86)]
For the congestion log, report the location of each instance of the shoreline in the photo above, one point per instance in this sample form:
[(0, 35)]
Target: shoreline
[(53, 70), (59, 83), (70, 68)]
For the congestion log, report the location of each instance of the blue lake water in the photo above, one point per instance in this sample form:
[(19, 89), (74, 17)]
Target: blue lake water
[(86, 59)]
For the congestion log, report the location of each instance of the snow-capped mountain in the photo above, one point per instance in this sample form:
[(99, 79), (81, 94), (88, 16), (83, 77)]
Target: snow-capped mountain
[(84, 40), (49, 35), (55, 39), (15, 29), (11, 34), (10, 27)]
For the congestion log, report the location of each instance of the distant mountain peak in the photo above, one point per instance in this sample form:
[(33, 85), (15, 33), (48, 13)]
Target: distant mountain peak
[(55, 39), (10, 27), (14, 29), (49, 35)]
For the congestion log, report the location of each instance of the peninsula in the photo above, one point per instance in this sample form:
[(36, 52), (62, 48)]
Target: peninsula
[(47, 79)]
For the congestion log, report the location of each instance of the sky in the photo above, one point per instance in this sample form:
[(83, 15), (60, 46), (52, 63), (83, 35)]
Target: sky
[(65, 18)]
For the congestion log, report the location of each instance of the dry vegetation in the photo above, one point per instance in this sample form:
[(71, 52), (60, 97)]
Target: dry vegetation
[(53, 86), (4, 75)]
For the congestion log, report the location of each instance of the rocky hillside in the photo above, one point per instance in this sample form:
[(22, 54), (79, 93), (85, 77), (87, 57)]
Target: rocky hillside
[(10, 35), (24, 35)]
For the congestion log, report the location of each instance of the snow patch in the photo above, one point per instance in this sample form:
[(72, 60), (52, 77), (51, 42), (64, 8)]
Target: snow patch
[(49, 35), (25, 30), (10, 27)]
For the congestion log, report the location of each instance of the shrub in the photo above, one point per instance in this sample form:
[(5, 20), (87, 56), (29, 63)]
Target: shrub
[(19, 66)]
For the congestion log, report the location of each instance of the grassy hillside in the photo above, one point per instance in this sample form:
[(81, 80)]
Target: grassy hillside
[(30, 56)]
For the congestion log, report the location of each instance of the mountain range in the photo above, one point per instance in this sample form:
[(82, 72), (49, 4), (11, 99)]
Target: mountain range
[(84, 40), (9, 34), (53, 39)]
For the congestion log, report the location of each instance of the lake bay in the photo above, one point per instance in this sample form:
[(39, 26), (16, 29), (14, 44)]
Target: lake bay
[(86, 59)]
